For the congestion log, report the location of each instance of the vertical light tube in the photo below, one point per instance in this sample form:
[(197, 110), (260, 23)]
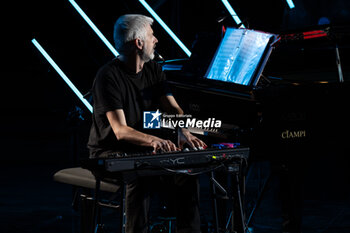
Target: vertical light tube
[(92, 25), (290, 4), (232, 13), (60, 72), (166, 28)]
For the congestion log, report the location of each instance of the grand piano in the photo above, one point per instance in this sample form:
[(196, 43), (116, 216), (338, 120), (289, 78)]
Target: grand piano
[(294, 114), (299, 99)]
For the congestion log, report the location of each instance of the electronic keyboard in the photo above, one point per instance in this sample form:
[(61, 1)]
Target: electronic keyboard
[(172, 160)]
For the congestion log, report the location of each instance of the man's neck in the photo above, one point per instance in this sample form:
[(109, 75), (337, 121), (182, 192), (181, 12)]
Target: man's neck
[(133, 63)]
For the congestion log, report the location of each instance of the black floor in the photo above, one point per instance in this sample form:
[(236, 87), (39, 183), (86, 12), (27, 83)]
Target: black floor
[(32, 202)]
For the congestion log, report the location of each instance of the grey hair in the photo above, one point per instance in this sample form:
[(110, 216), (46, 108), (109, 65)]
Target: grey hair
[(130, 27)]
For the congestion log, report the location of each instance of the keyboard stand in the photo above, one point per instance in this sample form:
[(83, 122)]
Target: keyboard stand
[(234, 171), (236, 218)]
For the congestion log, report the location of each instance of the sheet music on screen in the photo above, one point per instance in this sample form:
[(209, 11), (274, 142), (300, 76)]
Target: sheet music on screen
[(238, 56)]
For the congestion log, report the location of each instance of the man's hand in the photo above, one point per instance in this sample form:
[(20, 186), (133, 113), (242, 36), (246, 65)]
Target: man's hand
[(185, 137), (123, 132), (159, 144)]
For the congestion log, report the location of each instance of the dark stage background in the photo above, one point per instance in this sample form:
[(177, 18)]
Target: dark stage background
[(40, 133)]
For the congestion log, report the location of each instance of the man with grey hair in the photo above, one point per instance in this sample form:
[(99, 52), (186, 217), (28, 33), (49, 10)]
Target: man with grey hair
[(130, 27), (123, 89)]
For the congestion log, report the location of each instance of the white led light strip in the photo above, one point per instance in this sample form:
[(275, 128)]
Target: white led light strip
[(92, 25), (60, 72), (233, 13), (290, 4), (166, 28)]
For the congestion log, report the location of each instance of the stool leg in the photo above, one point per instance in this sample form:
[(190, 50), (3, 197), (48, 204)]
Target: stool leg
[(95, 215), (86, 214), (122, 208)]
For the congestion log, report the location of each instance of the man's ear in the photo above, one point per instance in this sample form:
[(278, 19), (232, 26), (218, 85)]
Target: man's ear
[(139, 43)]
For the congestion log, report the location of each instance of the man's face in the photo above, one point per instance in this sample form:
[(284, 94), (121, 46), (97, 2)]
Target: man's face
[(149, 45)]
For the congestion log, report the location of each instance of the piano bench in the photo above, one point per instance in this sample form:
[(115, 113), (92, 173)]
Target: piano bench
[(84, 178), (89, 205)]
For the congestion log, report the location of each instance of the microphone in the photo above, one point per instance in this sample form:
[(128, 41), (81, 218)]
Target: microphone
[(158, 57), (221, 19)]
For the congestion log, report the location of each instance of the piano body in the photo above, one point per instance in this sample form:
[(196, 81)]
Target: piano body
[(298, 102), (295, 118)]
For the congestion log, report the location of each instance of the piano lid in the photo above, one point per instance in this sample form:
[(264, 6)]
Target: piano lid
[(312, 54)]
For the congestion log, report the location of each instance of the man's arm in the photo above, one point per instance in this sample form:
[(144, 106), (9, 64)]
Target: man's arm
[(171, 106), (122, 131)]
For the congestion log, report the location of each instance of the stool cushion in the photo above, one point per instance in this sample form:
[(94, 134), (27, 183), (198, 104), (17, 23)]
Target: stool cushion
[(81, 177)]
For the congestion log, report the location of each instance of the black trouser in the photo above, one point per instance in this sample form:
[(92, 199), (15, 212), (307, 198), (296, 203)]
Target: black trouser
[(186, 203)]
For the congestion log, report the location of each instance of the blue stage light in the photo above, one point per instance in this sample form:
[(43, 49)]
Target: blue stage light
[(92, 25), (166, 28), (60, 72), (232, 13), (290, 4)]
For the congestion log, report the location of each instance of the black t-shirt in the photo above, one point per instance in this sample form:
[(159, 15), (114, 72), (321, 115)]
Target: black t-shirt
[(115, 87)]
